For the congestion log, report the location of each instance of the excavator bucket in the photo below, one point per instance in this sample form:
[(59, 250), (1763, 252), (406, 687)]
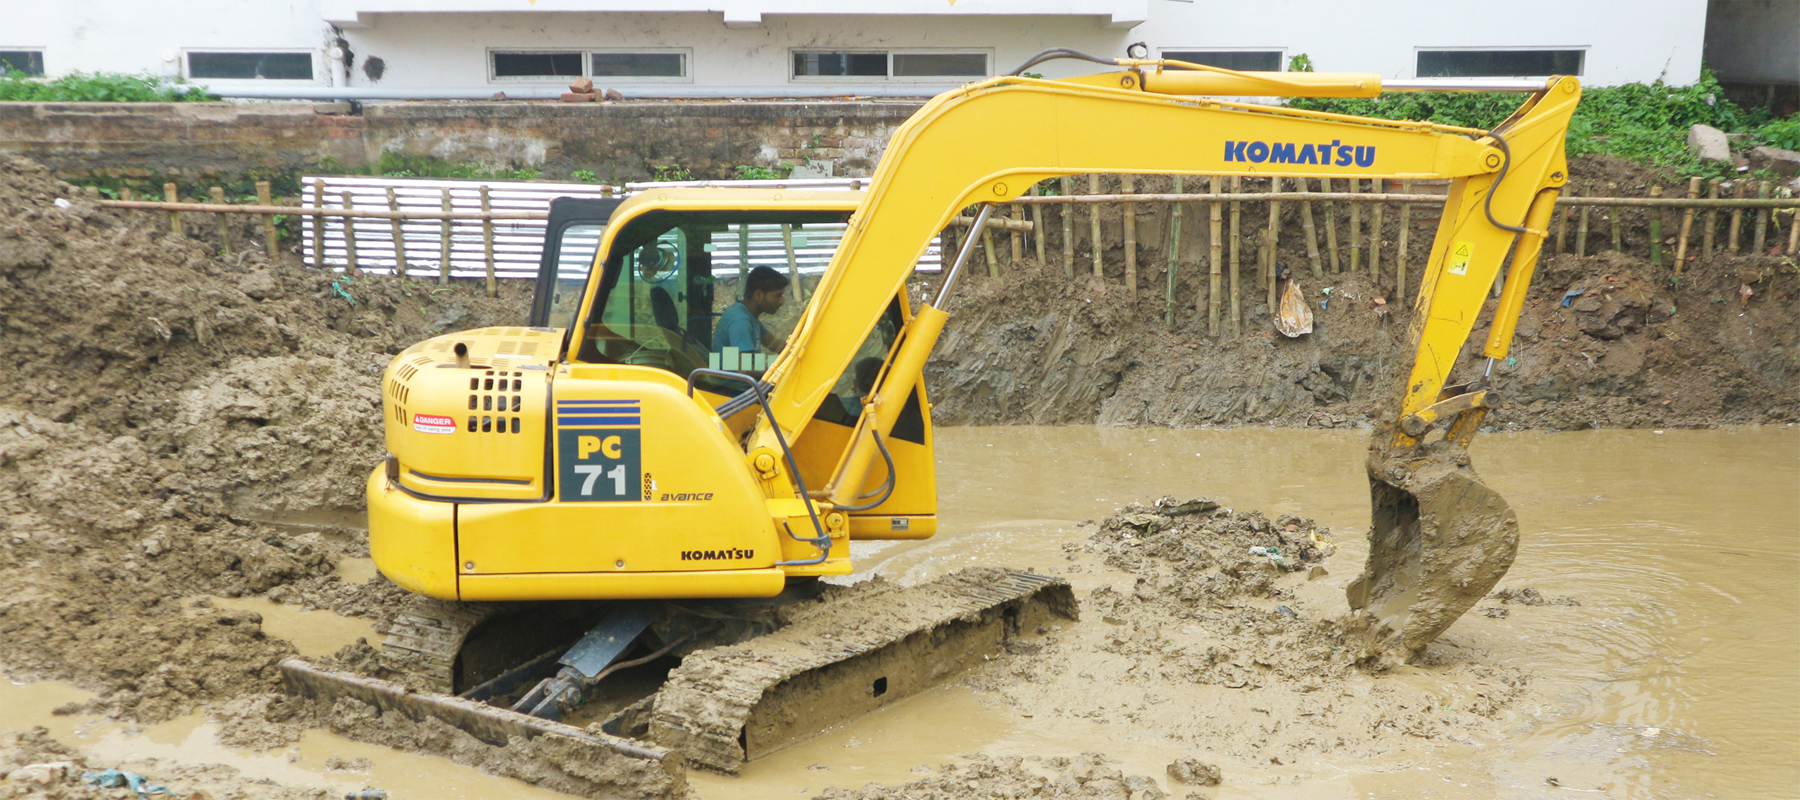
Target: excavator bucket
[(1440, 540)]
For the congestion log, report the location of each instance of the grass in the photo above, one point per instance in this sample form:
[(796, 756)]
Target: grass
[(401, 165), (1646, 123), (97, 87)]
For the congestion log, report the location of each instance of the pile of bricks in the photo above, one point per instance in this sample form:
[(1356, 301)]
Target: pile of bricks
[(582, 91)]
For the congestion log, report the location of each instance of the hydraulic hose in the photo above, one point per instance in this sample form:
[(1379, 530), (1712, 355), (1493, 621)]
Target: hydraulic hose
[(887, 489), (823, 540)]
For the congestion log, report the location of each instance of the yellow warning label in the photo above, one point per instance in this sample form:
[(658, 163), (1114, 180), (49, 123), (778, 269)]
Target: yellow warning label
[(1459, 258)]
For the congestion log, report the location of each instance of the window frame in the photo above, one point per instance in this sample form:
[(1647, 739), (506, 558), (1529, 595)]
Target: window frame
[(687, 65), (313, 54), (1582, 50), (580, 53), (986, 53), (1281, 53), (43, 67)]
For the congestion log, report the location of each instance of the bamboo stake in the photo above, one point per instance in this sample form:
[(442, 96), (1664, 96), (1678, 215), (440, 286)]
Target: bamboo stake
[(218, 197), (1068, 221), (1737, 219), (1687, 225), (349, 234), (1582, 231), (1237, 240), (1375, 240), (1794, 234), (170, 196), (1214, 245), (1562, 221), (1018, 241), (1129, 214), (1406, 232), (1656, 231), (744, 257), (1272, 239), (126, 194), (1355, 228), (1312, 233), (787, 246), (1037, 227), (487, 242), (1762, 220), (1331, 243), (1612, 218), (1174, 252), (1094, 219), (271, 236), (444, 244), (1712, 221), (399, 235)]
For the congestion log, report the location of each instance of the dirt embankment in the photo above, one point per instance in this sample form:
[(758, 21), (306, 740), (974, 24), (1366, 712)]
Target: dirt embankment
[(159, 402), (1635, 347)]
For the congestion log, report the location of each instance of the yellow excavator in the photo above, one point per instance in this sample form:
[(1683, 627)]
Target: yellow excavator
[(674, 499)]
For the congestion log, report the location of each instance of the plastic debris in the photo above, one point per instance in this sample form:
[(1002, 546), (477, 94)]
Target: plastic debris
[(114, 779), (61, 203), (1570, 295), (337, 287), (1294, 319)]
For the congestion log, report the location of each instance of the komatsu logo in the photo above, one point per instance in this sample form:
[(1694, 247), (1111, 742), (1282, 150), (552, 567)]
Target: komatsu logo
[(1334, 154), (717, 555)]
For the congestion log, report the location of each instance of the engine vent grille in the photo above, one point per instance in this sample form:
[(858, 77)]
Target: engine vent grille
[(498, 393)]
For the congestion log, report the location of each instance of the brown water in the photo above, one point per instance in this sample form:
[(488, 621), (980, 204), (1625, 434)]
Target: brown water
[(1678, 676)]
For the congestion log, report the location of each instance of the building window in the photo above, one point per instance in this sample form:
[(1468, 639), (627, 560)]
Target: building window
[(932, 65), (1240, 60), (638, 64), (1498, 63), (27, 62), (532, 65), (247, 65), (880, 64)]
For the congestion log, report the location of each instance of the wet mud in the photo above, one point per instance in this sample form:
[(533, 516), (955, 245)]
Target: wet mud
[(183, 438)]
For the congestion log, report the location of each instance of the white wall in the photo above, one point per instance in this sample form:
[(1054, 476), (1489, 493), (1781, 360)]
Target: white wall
[(1640, 42)]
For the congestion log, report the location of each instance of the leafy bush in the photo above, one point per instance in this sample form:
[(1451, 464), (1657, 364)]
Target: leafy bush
[(1783, 133), (97, 87), (1642, 122), (753, 172)]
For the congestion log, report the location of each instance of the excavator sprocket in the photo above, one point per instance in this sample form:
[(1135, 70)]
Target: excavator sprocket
[(1439, 542)]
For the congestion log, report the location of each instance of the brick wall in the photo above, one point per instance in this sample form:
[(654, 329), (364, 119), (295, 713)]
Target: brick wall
[(228, 143)]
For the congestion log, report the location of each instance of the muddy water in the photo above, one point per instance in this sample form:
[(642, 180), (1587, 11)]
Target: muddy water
[(1676, 676)]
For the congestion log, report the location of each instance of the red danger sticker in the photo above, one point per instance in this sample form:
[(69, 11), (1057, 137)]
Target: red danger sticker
[(429, 423)]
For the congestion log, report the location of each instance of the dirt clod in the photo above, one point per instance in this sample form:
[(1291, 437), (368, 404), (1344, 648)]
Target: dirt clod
[(1194, 772), (1090, 776)]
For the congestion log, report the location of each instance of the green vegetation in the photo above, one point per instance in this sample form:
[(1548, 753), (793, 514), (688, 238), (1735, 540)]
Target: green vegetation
[(97, 87), (670, 172), (584, 176), (752, 172), (401, 165), (1647, 123)]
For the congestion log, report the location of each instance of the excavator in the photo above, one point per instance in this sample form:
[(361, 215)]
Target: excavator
[(599, 493)]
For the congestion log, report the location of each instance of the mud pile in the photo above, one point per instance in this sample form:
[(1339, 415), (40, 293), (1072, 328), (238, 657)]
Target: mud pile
[(160, 404), (1636, 346), (1230, 640), (41, 768), (1089, 776)]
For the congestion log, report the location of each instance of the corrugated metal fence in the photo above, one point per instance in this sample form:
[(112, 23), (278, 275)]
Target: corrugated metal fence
[(516, 244)]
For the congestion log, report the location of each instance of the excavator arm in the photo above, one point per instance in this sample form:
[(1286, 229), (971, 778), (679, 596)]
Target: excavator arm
[(990, 141)]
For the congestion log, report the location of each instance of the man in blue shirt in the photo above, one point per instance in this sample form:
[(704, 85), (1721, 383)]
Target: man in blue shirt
[(739, 326)]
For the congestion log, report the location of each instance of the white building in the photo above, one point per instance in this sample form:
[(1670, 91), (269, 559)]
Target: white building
[(675, 48)]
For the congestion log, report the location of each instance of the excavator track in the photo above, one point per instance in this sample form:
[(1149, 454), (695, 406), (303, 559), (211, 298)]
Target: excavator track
[(424, 641), (843, 659)]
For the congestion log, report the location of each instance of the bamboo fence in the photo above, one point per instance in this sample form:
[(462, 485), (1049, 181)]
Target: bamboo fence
[(1771, 223)]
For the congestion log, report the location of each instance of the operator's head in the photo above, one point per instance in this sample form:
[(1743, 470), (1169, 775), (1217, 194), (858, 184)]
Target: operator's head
[(764, 291)]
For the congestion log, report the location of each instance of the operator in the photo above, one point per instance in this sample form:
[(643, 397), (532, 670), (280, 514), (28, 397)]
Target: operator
[(739, 326)]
